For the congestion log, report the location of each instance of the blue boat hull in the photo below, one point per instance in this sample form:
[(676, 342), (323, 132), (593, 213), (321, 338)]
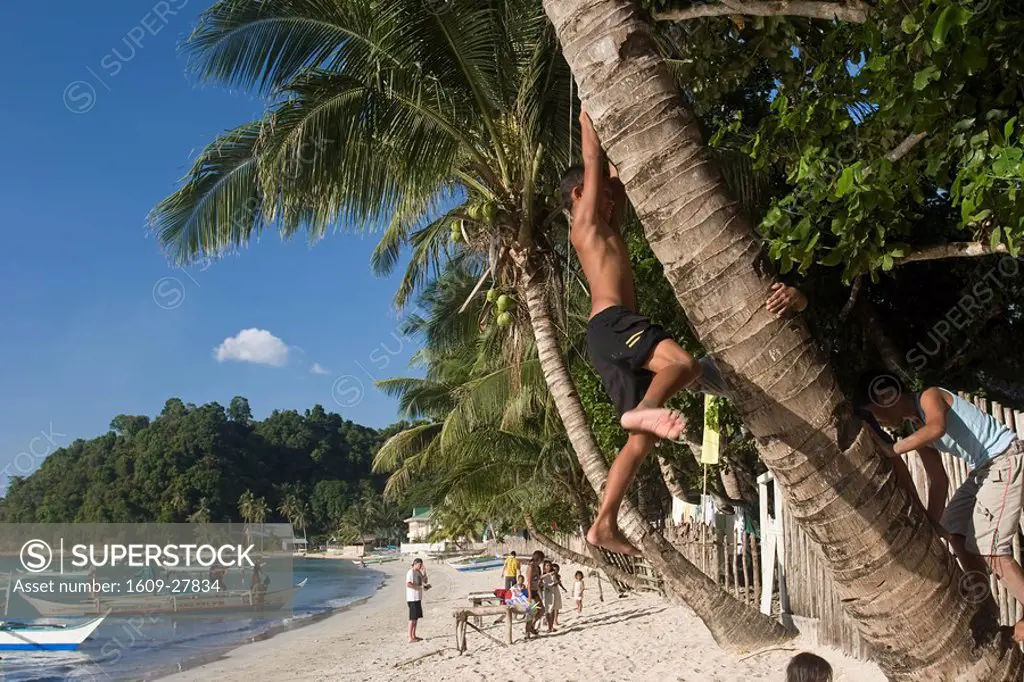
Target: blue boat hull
[(482, 567), (38, 647)]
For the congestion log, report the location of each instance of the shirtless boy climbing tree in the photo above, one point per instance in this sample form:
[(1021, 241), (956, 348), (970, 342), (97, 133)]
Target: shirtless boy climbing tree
[(640, 366)]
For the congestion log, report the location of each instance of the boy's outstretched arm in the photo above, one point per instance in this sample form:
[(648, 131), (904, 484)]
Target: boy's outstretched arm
[(938, 482), (587, 207)]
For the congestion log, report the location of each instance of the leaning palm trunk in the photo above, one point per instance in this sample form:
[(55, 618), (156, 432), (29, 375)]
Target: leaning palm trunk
[(895, 578), (613, 573), (597, 557), (733, 624)]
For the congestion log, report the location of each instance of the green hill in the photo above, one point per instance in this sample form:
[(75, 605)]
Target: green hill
[(195, 463)]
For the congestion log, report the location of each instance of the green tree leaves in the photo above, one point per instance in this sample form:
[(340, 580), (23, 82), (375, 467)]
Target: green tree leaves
[(193, 464)]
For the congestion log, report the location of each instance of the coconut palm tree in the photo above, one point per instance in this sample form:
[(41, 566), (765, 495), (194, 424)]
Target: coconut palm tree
[(883, 554), (259, 511), (247, 510), (294, 509), (445, 129), (490, 433), (201, 514)]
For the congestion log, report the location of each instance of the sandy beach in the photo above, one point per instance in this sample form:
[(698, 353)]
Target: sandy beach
[(638, 637)]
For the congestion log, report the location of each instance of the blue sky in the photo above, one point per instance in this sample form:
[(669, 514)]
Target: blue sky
[(96, 323)]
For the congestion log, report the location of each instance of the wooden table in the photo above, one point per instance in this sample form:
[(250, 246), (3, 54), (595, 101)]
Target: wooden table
[(479, 599)]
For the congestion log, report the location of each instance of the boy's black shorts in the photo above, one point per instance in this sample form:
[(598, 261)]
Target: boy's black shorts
[(415, 610), (619, 343)]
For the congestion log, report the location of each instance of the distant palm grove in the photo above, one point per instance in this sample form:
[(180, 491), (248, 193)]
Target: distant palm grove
[(211, 464)]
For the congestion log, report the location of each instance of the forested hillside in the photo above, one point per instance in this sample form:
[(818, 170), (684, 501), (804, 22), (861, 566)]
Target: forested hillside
[(209, 463)]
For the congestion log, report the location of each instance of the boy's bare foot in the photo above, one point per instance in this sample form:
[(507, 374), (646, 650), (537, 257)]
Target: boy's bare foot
[(1018, 632), (660, 421), (608, 536)]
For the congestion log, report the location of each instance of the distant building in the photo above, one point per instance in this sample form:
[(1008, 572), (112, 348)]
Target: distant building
[(421, 524), (294, 544), (357, 549)]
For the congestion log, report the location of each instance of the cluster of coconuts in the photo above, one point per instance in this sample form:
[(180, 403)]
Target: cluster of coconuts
[(458, 231), (486, 213), (502, 303)]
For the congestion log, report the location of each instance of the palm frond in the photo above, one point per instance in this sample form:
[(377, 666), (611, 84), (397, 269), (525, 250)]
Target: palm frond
[(220, 205), (402, 446), (266, 44)]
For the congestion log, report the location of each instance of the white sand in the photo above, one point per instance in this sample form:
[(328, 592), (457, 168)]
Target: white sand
[(638, 637)]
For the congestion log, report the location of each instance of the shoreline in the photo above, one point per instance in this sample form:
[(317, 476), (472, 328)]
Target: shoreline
[(639, 637), (225, 653)]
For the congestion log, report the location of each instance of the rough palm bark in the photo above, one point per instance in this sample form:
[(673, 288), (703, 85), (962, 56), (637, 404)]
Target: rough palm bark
[(897, 581), (734, 625)]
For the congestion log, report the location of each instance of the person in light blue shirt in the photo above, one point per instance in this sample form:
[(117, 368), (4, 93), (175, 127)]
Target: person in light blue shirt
[(981, 519)]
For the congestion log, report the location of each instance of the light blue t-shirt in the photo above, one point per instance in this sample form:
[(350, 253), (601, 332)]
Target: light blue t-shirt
[(971, 435)]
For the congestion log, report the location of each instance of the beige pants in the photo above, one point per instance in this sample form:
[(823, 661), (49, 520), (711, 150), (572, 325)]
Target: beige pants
[(986, 508)]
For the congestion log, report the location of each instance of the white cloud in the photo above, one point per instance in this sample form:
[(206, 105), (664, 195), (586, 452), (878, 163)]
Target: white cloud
[(257, 346), (317, 368)]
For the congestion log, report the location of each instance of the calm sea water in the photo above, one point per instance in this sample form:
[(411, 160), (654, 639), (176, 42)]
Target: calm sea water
[(120, 650)]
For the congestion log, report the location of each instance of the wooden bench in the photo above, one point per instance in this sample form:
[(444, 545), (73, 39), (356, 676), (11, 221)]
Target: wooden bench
[(479, 599), (462, 623)]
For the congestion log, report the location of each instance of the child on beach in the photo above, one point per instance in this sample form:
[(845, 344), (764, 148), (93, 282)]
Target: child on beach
[(549, 592), (577, 591), (557, 605)]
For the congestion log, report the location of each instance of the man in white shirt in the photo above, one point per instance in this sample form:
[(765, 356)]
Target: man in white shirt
[(415, 583)]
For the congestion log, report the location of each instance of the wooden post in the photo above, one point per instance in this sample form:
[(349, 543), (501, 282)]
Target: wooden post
[(508, 618), (458, 644), (1018, 608), (755, 565), (784, 609), (997, 412)]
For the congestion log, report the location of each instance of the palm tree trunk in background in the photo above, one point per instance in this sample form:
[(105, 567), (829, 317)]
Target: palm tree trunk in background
[(668, 473), (733, 624), (897, 581)]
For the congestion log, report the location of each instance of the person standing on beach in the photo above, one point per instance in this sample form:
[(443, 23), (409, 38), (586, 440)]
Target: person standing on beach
[(578, 588), (511, 570), (415, 583), (533, 575), (533, 588)]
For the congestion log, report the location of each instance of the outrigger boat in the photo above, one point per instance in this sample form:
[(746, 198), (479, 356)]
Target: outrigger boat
[(477, 563), (170, 604), (22, 637), (374, 559)]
